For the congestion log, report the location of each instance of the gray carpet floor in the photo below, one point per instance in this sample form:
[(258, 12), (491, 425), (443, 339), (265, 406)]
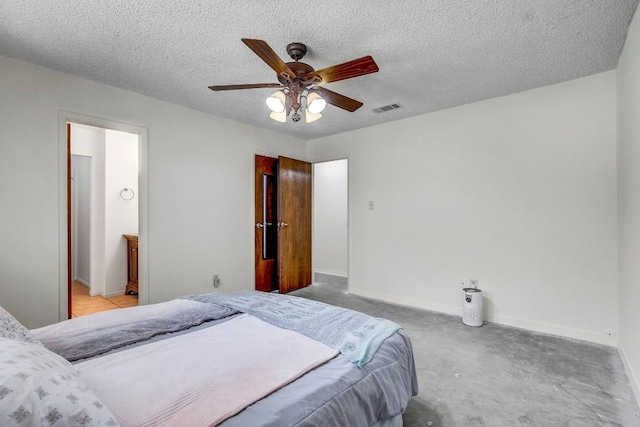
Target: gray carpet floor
[(497, 375)]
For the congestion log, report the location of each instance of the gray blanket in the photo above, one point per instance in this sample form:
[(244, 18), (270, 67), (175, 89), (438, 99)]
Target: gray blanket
[(85, 337)]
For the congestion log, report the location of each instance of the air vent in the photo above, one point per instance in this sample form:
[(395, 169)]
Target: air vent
[(386, 108)]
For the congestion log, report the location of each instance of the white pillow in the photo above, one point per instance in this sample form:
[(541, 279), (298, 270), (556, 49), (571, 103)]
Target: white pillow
[(40, 388), (11, 328)]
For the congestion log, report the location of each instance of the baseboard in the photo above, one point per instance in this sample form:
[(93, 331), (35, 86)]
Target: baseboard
[(634, 380), (546, 328), (84, 282), (113, 294), (332, 273), (406, 301)]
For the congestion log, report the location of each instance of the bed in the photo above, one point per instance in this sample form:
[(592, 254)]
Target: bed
[(240, 359)]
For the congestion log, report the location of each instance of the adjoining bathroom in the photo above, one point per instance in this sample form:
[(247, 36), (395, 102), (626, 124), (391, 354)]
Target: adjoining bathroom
[(104, 218)]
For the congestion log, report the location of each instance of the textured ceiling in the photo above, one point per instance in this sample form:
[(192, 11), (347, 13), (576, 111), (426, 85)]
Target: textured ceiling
[(432, 54)]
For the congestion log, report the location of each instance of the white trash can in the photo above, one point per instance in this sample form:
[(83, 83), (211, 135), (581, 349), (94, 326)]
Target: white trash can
[(472, 306)]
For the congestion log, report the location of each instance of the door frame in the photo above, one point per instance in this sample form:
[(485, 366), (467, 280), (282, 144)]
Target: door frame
[(65, 117)]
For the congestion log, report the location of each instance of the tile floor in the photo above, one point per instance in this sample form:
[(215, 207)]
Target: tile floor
[(82, 303)]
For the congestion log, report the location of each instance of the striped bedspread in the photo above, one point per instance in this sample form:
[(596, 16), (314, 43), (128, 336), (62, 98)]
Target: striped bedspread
[(205, 376)]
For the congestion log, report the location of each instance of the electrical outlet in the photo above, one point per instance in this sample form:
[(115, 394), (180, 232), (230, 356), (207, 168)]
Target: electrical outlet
[(216, 280), (371, 205), (473, 283)]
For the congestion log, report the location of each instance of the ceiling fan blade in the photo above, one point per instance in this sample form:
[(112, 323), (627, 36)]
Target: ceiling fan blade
[(347, 70), (247, 86), (264, 51), (338, 100)]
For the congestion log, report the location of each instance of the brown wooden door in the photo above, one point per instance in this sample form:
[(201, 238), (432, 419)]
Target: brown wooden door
[(266, 249), (294, 224)]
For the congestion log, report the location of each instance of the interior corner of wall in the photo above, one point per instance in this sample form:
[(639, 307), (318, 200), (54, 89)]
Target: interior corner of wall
[(634, 379)]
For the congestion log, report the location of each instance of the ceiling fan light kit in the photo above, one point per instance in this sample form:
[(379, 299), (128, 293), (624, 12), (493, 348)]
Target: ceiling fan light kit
[(300, 87), (315, 104), (276, 102), (279, 117), (311, 117)]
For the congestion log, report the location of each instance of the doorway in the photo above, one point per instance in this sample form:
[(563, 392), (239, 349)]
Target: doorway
[(81, 218), (111, 199), (330, 219), (283, 229)]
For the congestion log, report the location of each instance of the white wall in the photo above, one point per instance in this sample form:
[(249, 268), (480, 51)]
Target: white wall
[(90, 141), (518, 192), (200, 185), (629, 202), (121, 216), (330, 217)]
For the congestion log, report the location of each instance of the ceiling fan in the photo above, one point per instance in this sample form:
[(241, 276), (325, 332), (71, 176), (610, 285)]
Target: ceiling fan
[(300, 87)]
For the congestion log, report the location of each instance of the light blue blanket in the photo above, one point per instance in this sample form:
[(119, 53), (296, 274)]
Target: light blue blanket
[(354, 334)]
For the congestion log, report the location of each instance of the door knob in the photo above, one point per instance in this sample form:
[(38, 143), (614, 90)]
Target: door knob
[(259, 225), (283, 224)]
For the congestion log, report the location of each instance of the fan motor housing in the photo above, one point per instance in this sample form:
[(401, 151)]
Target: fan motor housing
[(299, 68)]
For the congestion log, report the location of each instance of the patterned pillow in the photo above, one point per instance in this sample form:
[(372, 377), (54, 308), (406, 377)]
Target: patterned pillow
[(11, 328), (40, 388)]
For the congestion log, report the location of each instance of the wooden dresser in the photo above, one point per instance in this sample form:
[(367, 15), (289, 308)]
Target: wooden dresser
[(132, 264)]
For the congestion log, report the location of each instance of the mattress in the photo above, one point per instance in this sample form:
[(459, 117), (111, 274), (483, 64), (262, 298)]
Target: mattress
[(336, 392)]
